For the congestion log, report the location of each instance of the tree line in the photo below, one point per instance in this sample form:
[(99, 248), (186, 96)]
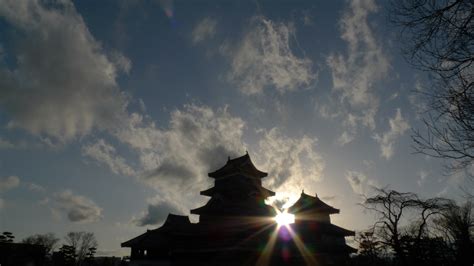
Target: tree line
[(78, 248), (436, 37), (409, 230)]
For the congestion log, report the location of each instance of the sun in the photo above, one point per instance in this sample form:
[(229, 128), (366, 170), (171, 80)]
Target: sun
[(284, 218)]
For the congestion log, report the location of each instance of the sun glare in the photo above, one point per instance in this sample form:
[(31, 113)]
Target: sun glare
[(284, 218)]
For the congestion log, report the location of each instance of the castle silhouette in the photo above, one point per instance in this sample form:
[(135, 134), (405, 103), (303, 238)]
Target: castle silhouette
[(236, 227)]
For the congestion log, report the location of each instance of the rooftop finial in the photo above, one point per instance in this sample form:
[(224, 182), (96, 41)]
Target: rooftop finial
[(228, 158), (246, 152), (302, 192)]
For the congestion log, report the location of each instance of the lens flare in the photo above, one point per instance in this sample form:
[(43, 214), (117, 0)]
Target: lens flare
[(284, 232), (284, 218)]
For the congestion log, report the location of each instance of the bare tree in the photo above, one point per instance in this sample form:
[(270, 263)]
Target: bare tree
[(457, 226), (370, 251), (48, 241), (439, 38), (82, 242), (393, 208)]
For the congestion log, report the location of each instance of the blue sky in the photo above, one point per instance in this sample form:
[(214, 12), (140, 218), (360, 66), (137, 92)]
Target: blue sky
[(113, 112)]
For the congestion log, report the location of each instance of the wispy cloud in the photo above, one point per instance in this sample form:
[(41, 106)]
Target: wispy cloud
[(355, 74), (264, 60), (9, 182), (360, 183), (176, 159), (35, 187), (422, 175), (106, 154), (62, 84), (398, 126), (157, 212), (77, 208), (292, 163), (204, 29), (6, 144)]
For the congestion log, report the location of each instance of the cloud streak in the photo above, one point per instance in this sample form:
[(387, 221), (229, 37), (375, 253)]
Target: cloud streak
[(78, 209), (9, 182), (205, 29), (356, 74), (157, 212), (175, 160), (292, 163), (264, 60), (398, 126), (360, 183), (62, 84), (106, 154), (6, 184)]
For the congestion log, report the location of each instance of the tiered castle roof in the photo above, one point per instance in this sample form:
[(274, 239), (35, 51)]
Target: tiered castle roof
[(234, 225), (237, 191), (240, 165), (307, 203), (159, 237)]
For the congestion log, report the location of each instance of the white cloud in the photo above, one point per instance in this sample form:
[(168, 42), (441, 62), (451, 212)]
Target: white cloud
[(356, 180), (398, 126), (307, 18), (6, 144), (43, 202), (9, 182), (121, 62), (264, 59), (35, 187), (356, 74), (205, 29), (360, 183), (176, 159), (345, 138), (77, 208), (417, 99), (106, 154), (292, 164), (157, 212), (62, 84), (422, 175), (197, 139)]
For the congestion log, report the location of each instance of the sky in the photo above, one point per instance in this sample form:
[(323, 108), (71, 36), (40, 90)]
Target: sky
[(113, 112)]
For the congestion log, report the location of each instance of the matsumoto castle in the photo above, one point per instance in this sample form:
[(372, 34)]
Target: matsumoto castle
[(236, 227)]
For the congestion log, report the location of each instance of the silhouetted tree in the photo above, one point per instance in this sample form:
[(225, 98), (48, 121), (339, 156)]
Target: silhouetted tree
[(427, 250), (90, 254), (457, 224), (371, 251), (89, 259), (439, 38), (7, 237), (392, 208), (66, 256), (82, 242), (48, 241)]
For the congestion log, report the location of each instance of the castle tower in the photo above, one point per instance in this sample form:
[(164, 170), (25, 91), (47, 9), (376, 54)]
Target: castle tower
[(235, 225), (313, 224), (237, 193)]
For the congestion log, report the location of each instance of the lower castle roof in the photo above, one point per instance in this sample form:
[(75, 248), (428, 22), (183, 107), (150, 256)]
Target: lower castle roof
[(159, 236), (307, 203)]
